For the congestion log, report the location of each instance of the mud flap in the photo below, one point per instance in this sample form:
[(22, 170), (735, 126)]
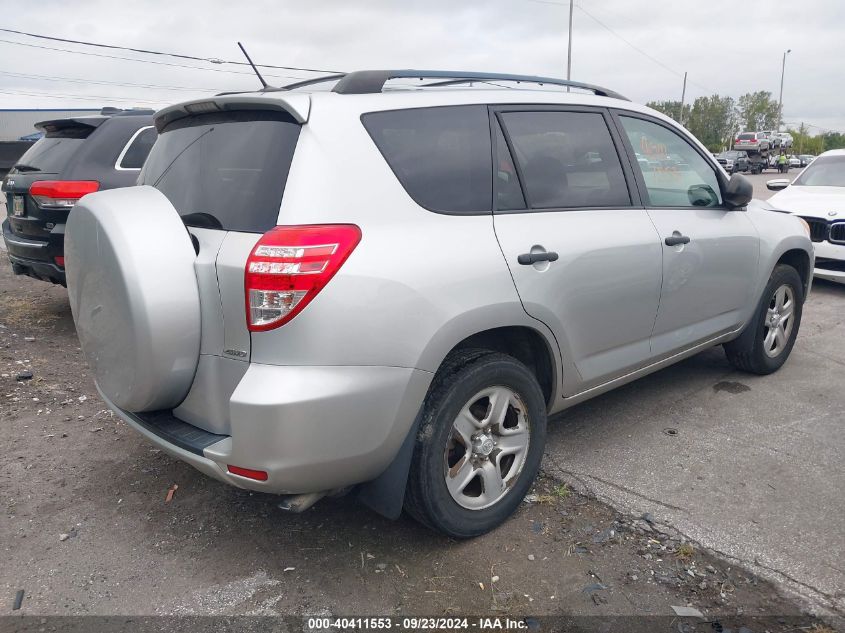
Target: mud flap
[(386, 493)]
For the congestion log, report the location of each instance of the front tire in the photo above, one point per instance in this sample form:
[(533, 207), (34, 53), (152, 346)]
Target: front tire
[(479, 445), (769, 337)]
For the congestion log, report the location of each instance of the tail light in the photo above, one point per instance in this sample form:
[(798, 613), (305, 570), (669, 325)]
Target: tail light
[(289, 266), (62, 194)]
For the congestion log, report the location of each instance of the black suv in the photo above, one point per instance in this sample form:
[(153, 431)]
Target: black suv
[(75, 156)]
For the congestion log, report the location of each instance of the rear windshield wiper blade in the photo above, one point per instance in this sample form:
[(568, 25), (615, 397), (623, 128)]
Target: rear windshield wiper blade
[(22, 167)]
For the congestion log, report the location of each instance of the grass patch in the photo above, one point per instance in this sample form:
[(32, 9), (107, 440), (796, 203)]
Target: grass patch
[(684, 552)]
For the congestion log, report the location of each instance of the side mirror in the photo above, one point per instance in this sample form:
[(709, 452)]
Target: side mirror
[(738, 192), (778, 183)]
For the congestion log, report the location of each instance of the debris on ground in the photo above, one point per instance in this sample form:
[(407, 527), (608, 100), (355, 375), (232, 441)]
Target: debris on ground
[(687, 612), (23, 375), (18, 600), (170, 493)]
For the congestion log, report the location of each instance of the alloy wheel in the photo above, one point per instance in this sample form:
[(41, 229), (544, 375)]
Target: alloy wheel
[(779, 320), (487, 448)]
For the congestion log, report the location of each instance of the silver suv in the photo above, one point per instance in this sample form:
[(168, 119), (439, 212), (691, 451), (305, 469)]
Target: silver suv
[(386, 287)]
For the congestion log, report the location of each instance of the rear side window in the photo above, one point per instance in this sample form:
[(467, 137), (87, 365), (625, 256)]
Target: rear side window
[(567, 159), (224, 170), (136, 151), (440, 155), (52, 152)]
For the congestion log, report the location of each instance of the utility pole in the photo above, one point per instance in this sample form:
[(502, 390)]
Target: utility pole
[(683, 97), (780, 99), (569, 47)]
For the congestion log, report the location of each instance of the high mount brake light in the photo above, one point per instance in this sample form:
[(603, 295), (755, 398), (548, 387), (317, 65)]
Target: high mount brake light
[(61, 193), (289, 266)]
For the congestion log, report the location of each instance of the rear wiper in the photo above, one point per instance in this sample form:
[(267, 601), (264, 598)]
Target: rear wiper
[(22, 167)]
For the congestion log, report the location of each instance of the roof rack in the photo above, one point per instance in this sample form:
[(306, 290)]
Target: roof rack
[(372, 81)]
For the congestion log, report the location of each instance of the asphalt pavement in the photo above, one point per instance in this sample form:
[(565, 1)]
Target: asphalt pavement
[(750, 467)]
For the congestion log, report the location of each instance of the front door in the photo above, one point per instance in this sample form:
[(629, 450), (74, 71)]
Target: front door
[(710, 253)]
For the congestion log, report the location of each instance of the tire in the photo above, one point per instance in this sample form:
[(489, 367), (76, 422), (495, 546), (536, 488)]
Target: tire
[(473, 382), (757, 350)]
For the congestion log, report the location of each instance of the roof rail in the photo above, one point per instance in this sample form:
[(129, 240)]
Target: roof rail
[(372, 81)]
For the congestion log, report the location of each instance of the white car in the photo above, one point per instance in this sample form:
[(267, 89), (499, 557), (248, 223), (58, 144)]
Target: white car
[(795, 162), (818, 196)]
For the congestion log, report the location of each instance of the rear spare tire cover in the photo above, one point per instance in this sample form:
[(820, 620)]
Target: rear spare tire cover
[(133, 293)]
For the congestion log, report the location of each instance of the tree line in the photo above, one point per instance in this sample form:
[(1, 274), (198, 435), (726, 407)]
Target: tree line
[(716, 121)]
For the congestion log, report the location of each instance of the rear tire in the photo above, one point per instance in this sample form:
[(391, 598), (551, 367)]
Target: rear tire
[(769, 337), (479, 444)]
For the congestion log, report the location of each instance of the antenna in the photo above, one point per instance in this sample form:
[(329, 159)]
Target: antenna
[(258, 74)]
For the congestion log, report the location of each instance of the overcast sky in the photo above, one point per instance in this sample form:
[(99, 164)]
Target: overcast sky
[(728, 46)]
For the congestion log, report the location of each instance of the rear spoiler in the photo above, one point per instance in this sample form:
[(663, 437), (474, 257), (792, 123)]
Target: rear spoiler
[(296, 105), (62, 124)]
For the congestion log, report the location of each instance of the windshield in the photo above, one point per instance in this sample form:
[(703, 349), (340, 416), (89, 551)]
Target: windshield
[(224, 171), (825, 171)]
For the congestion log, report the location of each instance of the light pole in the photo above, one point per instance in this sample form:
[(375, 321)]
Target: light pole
[(780, 99), (569, 48)]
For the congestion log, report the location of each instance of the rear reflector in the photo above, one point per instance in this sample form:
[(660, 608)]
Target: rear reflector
[(60, 261), (61, 193), (289, 266), (249, 473)]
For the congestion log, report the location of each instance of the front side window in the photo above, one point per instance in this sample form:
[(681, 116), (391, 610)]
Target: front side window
[(441, 155), (681, 176), (567, 159)]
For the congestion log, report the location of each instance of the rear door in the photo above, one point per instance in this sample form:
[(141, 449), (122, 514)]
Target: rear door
[(225, 174), (709, 252), (584, 255)]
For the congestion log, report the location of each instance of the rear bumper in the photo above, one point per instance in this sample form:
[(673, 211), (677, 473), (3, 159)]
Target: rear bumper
[(310, 429), (35, 258)]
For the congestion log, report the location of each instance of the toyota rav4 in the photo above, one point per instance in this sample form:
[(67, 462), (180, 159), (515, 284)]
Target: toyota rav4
[(386, 287)]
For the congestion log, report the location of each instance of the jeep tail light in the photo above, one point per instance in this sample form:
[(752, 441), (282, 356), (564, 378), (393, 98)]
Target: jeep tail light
[(62, 194), (289, 266)]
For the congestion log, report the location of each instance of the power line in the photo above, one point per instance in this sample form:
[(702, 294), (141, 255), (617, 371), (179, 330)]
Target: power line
[(212, 60), (106, 83), (54, 95), (638, 49), (144, 61), (628, 42)]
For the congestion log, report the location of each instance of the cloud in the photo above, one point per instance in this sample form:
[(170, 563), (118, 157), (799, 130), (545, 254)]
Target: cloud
[(640, 48)]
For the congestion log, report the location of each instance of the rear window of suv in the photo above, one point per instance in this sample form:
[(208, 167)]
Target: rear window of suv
[(224, 170), (52, 152), (441, 155), (747, 137)]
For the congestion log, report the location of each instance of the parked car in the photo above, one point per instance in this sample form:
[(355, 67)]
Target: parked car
[(818, 196), (75, 156), (806, 159), (785, 139), (774, 139), (752, 141), (794, 161), (733, 161), (390, 292)]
